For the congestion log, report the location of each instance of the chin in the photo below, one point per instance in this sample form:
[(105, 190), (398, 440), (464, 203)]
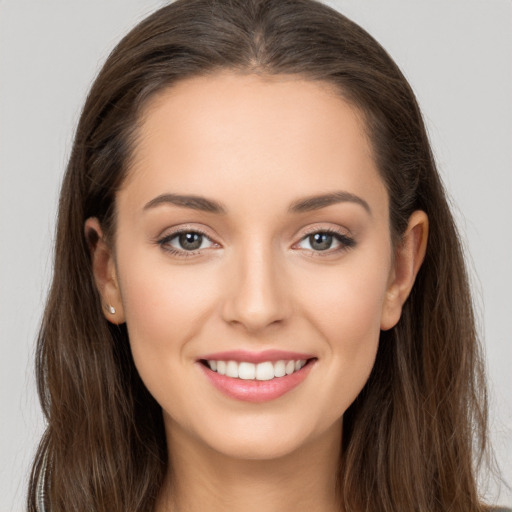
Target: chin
[(257, 448), (267, 437)]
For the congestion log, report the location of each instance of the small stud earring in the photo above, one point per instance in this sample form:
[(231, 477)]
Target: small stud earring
[(111, 309)]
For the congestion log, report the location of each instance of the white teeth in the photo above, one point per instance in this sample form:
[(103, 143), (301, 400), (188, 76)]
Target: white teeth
[(232, 369), (261, 371), (264, 371), (247, 371), (297, 365), (279, 369), (221, 367)]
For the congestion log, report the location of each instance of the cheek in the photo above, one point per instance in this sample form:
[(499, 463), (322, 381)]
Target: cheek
[(164, 307), (346, 303), (345, 306)]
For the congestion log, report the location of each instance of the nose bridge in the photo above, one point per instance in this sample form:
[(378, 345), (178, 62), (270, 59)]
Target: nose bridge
[(257, 296)]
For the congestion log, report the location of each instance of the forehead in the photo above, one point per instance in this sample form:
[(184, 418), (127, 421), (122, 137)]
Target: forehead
[(228, 133)]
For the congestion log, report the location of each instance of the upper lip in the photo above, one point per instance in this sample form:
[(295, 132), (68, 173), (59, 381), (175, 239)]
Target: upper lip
[(256, 357)]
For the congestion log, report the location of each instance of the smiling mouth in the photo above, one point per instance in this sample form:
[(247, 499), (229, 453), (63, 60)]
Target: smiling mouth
[(264, 371)]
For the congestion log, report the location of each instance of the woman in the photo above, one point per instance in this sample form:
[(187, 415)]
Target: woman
[(259, 300)]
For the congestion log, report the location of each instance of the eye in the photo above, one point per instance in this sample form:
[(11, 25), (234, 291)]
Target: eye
[(185, 242), (327, 241)]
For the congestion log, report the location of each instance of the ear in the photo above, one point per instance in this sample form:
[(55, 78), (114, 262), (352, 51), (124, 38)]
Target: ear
[(104, 270), (409, 256)]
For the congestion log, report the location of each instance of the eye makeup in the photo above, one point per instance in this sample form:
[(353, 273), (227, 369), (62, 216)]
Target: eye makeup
[(192, 241)]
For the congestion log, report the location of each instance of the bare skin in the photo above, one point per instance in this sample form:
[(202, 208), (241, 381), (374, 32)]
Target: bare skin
[(265, 274), (302, 481)]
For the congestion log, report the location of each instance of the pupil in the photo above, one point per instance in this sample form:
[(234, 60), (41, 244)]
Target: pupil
[(191, 241), (320, 241)]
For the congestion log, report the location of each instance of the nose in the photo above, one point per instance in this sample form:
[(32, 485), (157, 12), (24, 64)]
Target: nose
[(257, 294)]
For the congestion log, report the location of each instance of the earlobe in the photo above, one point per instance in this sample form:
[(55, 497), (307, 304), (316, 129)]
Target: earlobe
[(409, 256), (104, 270)]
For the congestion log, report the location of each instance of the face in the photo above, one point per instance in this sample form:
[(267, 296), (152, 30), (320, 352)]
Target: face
[(253, 232)]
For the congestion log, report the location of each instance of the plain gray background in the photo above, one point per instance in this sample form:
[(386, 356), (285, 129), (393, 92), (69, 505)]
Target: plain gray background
[(457, 55)]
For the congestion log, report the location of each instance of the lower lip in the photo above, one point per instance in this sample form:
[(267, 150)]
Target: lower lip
[(256, 390)]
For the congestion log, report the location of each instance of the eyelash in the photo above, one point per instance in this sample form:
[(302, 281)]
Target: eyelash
[(345, 241), (180, 253)]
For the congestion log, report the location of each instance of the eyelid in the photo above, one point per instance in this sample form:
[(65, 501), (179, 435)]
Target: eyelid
[(343, 236), (186, 228), (322, 228), (163, 240), (344, 239)]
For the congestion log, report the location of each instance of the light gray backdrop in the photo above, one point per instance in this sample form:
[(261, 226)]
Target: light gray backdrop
[(457, 55)]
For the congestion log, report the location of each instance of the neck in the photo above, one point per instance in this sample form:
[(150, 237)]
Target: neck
[(203, 480)]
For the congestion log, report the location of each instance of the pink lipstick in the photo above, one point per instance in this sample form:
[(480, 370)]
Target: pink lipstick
[(256, 376)]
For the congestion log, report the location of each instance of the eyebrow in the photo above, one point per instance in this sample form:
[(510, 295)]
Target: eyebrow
[(187, 201), (317, 202), (306, 204)]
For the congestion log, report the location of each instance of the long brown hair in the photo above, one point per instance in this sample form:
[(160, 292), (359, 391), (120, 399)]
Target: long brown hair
[(413, 437)]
